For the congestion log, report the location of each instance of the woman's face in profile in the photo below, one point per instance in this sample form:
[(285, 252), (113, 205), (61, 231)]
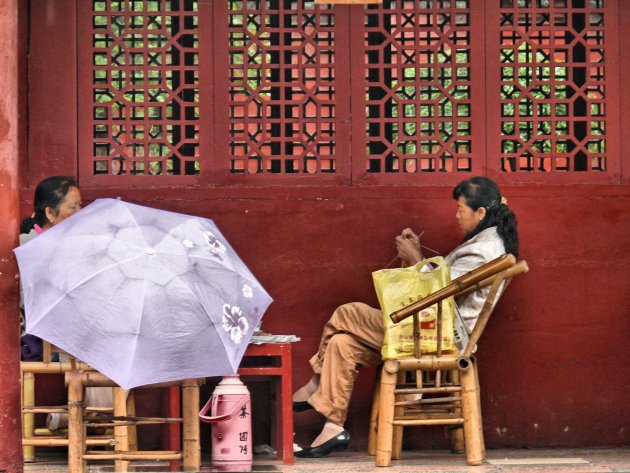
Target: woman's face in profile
[(467, 218), (69, 205)]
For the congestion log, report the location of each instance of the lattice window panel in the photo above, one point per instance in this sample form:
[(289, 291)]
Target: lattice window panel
[(281, 87), (553, 91), (145, 87), (418, 92)]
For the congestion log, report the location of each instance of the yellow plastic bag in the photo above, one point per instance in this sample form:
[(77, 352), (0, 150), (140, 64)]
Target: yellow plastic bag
[(399, 287)]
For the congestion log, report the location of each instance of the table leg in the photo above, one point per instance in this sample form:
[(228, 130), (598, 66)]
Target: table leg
[(171, 431), (287, 408)]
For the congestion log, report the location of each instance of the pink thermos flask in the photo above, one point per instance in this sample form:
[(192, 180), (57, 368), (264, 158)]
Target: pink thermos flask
[(231, 418)]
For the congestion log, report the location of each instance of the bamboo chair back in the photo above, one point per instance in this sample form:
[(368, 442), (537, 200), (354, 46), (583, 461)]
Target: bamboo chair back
[(445, 390), (495, 272)]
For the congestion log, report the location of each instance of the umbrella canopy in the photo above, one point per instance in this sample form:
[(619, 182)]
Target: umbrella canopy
[(142, 295)]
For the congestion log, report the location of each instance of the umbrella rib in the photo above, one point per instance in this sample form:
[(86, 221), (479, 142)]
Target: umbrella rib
[(135, 340), (250, 276)]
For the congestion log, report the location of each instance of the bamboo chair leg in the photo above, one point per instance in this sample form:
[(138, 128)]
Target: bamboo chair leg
[(121, 432), (28, 419), (483, 443), (397, 435), (473, 431), (385, 432), (374, 418), (131, 412), (46, 352), (457, 440), (191, 430), (457, 433), (76, 429)]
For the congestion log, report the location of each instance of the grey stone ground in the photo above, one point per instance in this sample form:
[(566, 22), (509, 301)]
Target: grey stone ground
[(498, 461)]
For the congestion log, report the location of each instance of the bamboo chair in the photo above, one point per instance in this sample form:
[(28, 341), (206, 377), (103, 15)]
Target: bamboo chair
[(41, 437), (123, 421), (123, 440), (446, 384)]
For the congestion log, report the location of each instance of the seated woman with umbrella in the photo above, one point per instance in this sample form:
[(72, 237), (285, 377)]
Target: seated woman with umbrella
[(56, 198)]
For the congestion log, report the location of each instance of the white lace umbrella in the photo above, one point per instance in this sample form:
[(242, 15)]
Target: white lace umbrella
[(142, 295)]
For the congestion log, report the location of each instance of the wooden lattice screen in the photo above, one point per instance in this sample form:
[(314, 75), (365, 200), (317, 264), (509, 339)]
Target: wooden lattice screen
[(403, 91), (418, 86), (554, 86), (144, 87), (282, 88)]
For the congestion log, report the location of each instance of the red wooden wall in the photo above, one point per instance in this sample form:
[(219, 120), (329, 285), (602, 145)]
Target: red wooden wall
[(553, 361)]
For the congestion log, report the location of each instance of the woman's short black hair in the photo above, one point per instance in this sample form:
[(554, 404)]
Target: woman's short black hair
[(483, 192), (48, 193)]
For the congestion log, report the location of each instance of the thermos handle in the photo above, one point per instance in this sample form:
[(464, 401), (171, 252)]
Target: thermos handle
[(212, 402)]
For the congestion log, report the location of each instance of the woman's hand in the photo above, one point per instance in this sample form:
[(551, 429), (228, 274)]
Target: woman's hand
[(410, 235), (408, 249)]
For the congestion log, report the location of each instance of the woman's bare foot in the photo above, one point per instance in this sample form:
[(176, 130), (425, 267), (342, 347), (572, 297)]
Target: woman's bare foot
[(306, 391), (329, 431)]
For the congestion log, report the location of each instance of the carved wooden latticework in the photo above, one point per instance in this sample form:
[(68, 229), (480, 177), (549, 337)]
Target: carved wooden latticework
[(553, 85), (405, 91), (282, 89), (145, 92), (419, 87)]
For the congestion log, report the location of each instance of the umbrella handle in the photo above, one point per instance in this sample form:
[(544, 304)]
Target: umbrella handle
[(223, 417)]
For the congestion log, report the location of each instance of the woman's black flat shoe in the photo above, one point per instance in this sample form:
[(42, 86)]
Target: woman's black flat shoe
[(339, 441), (300, 406)]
